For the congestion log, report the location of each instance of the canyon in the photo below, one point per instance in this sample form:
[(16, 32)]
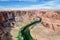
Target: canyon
[(12, 20)]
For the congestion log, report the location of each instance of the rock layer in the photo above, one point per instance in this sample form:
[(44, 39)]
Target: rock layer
[(8, 19)]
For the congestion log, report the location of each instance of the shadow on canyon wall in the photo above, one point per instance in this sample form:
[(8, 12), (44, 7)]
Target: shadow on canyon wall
[(6, 23)]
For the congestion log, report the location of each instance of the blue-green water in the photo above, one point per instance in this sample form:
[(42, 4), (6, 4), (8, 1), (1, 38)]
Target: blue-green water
[(24, 33)]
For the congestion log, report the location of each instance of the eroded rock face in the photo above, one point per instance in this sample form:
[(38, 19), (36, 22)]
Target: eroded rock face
[(50, 20), (6, 19), (49, 28)]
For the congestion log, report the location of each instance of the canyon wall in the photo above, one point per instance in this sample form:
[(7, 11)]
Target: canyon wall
[(50, 20)]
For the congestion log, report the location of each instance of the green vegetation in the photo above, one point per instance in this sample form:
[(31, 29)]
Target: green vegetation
[(24, 33)]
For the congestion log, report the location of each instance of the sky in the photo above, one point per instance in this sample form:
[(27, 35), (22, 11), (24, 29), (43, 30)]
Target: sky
[(29, 4)]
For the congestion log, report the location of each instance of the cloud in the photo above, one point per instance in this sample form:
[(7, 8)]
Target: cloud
[(54, 4)]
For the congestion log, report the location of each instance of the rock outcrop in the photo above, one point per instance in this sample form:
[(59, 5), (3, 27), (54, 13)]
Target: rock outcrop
[(50, 20)]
